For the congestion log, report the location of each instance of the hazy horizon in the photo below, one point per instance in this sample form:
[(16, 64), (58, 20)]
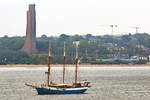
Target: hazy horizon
[(55, 17)]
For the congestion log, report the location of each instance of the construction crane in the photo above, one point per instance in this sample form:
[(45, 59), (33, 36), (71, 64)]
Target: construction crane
[(136, 28), (112, 28)]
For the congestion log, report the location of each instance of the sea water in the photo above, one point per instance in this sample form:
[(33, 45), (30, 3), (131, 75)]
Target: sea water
[(108, 83)]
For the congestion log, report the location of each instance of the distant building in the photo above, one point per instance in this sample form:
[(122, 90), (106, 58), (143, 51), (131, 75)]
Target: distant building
[(109, 45), (139, 57), (30, 40)]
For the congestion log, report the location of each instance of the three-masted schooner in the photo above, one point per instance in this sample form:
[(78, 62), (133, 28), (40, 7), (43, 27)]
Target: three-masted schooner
[(53, 88)]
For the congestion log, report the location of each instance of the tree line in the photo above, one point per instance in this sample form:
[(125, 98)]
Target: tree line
[(90, 48)]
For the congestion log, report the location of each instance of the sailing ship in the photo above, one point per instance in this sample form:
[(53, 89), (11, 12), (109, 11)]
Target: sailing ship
[(53, 88)]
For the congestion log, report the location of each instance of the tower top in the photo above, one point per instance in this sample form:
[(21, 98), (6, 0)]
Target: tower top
[(31, 7), (31, 4)]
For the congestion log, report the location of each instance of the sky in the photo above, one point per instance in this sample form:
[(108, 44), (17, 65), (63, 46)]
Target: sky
[(55, 17)]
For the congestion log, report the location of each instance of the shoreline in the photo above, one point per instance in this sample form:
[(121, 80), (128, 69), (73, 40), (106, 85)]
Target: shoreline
[(72, 65)]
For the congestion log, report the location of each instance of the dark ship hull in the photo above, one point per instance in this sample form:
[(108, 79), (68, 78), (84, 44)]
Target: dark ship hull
[(43, 91)]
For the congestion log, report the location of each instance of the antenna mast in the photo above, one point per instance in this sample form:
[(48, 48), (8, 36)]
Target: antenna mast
[(49, 67), (64, 64), (76, 70)]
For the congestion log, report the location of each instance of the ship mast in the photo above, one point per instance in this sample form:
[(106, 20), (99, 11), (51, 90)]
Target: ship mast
[(77, 59), (49, 67), (64, 64)]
